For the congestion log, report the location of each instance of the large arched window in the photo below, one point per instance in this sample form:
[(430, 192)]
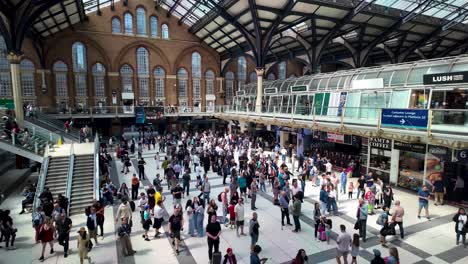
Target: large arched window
[(154, 26), (27, 78), (253, 77), (271, 77), (282, 70), (128, 23), (241, 69), (143, 71), (141, 21), (61, 82), (116, 27), (159, 79), (126, 75), (229, 87), (182, 77), (99, 74), (79, 68), (5, 74), (210, 77), (196, 75), (165, 31)]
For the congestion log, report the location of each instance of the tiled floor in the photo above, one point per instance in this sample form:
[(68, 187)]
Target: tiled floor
[(426, 241)]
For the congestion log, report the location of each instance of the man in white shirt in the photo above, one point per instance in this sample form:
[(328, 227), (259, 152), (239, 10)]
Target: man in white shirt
[(141, 204), (283, 154), (240, 216), (328, 167), (343, 244), (295, 188)]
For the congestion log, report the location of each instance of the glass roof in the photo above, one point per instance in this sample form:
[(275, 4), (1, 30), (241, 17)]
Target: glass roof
[(446, 9)]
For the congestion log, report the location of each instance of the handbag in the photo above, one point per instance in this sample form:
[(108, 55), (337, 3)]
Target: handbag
[(357, 225)]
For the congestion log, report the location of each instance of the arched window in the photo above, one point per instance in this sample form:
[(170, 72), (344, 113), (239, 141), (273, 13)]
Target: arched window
[(128, 23), (99, 74), (61, 82), (154, 26), (27, 78), (165, 31), (159, 80), (116, 27), (210, 77), (253, 77), (196, 75), (229, 87), (182, 77), (241, 69), (141, 21), (271, 77), (143, 71), (282, 70), (126, 75), (79, 68), (5, 74)]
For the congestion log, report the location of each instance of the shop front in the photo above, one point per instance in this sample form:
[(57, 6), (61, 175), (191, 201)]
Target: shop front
[(380, 158), (410, 164)]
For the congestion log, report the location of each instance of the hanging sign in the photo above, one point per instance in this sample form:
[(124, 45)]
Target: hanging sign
[(413, 147), (380, 143)]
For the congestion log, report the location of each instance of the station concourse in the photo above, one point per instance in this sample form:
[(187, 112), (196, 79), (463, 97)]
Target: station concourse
[(153, 130)]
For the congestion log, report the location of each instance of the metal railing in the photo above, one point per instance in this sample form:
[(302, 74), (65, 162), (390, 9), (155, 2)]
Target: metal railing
[(96, 182), (71, 163), (41, 182), (57, 126)]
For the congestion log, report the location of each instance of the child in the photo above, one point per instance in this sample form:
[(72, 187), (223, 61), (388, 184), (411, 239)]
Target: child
[(355, 249), (232, 214), (146, 222), (350, 190), (321, 229), (328, 227)]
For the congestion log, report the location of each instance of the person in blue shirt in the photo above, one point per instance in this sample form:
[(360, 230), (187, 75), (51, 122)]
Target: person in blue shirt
[(323, 200), (254, 258), (369, 180), (423, 195), (343, 180)]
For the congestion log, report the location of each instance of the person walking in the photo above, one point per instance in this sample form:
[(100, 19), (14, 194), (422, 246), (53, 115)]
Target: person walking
[(186, 182), (199, 215), (361, 216), (254, 258), (461, 225), (158, 217), (296, 212), (176, 223), (239, 208), (206, 188), (46, 236), (135, 186), (355, 249), (64, 226), (141, 169), (301, 257), (177, 193), (377, 257), (317, 218), (124, 232), (397, 217), (213, 231), (343, 244), (393, 257), (254, 232), (253, 194), (91, 224), (124, 211), (423, 196), (142, 203), (284, 205), (225, 204), (83, 246), (190, 216)]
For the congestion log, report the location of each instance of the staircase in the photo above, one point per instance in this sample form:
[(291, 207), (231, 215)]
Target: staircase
[(57, 173), (82, 189)]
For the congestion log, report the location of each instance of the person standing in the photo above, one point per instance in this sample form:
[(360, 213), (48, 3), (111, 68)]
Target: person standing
[(439, 191), (206, 188), (397, 217), (225, 204), (229, 258), (213, 231), (461, 225), (323, 200), (393, 257), (64, 226), (253, 194), (176, 223), (199, 214), (158, 218), (124, 232), (343, 180), (296, 213), (355, 249), (239, 208), (361, 216), (360, 187), (254, 258), (377, 257), (317, 218), (142, 203), (91, 224), (135, 186), (284, 205), (343, 243), (177, 192), (423, 196), (254, 232), (124, 211), (38, 219), (83, 240), (186, 182)]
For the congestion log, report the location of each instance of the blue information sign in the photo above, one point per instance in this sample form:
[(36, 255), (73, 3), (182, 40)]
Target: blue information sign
[(462, 155), (140, 116), (405, 118)]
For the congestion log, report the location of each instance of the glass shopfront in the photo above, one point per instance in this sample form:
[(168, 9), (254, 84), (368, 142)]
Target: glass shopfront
[(380, 157), (456, 99), (411, 164)]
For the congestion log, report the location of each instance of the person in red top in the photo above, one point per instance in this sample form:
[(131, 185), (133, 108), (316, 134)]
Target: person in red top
[(46, 236), (232, 214), (229, 258)]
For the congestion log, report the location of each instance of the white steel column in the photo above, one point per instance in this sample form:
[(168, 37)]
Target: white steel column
[(258, 102), (16, 86)]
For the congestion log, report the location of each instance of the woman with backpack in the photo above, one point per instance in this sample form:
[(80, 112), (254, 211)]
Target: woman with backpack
[(461, 225), (383, 221)]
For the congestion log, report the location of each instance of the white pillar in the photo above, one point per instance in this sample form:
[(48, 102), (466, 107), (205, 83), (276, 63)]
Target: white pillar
[(16, 86), (258, 102), (394, 165)]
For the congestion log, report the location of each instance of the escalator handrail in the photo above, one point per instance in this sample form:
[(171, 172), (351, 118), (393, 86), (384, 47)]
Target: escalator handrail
[(19, 145), (71, 164), (40, 183), (96, 169), (58, 126)]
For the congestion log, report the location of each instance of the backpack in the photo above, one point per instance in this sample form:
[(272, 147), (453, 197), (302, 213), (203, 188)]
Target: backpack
[(220, 199), (379, 220), (90, 223), (132, 206), (38, 219), (89, 245)]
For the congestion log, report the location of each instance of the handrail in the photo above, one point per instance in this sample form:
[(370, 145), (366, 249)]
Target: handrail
[(57, 125), (41, 182), (96, 168), (71, 164)]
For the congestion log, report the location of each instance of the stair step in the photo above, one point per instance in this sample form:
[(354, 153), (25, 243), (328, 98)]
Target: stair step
[(82, 188)]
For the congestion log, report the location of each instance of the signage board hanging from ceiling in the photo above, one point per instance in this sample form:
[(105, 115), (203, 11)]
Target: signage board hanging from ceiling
[(412, 147), (446, 78), (416, 119)]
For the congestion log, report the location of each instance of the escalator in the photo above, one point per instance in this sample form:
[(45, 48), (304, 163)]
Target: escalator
[(55, 126), (82, 184)]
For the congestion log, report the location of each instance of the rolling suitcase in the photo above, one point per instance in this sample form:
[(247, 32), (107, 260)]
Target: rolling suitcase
[(216, 258)]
